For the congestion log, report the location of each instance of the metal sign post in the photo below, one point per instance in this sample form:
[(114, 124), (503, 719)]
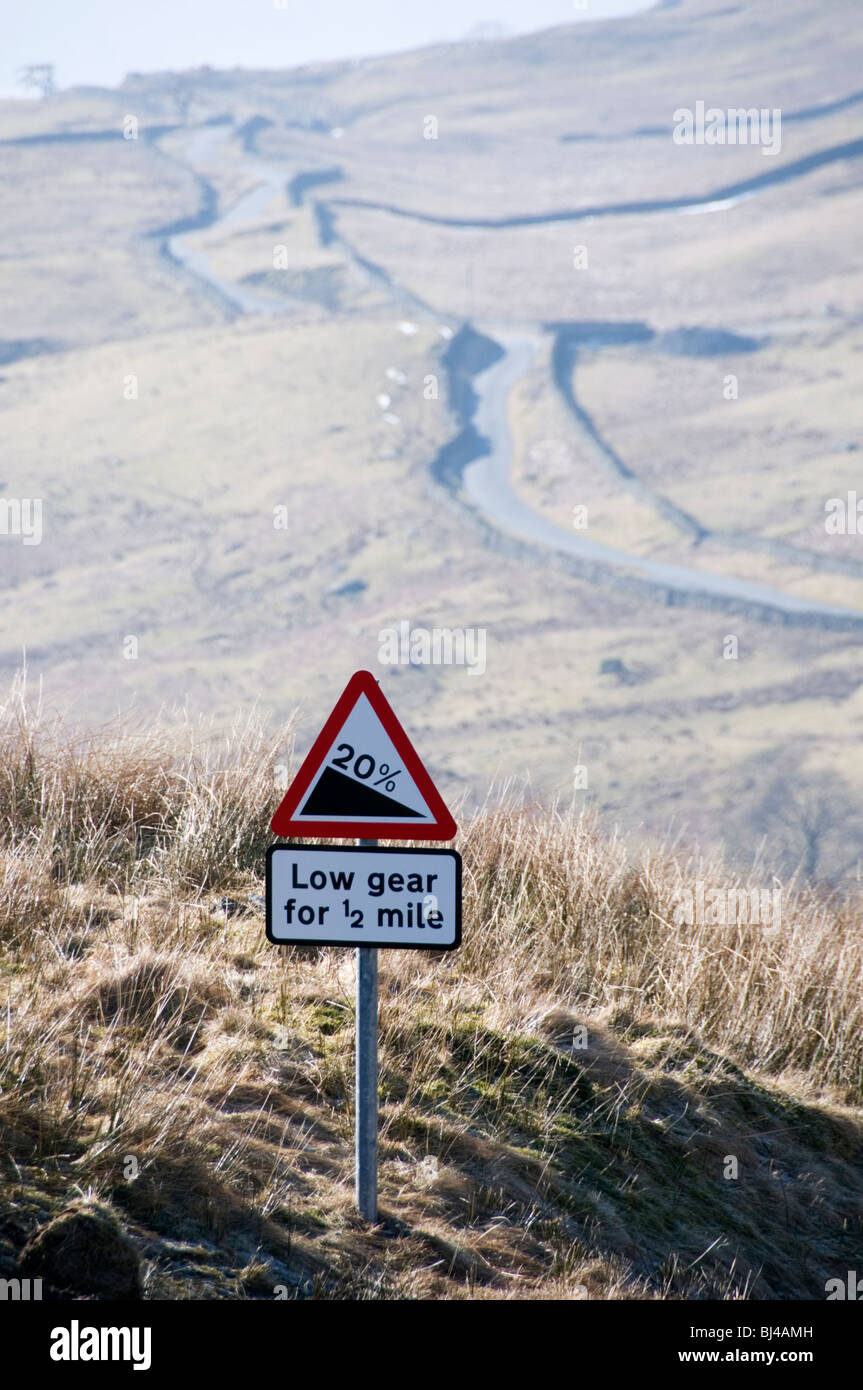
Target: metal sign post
[(366, 1102)]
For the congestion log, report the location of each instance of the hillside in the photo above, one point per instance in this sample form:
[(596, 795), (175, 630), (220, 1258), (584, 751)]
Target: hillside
[(263, 307), (560, 1100)]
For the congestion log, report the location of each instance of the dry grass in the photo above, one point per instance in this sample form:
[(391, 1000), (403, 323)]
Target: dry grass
[(558, 1100), (121, 810)]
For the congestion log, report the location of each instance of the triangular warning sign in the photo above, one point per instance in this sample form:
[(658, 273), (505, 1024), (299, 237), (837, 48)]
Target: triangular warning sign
[(363, 778)]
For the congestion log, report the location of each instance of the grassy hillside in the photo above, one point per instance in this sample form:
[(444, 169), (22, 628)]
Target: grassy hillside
[(159, 501), (559, 1100)]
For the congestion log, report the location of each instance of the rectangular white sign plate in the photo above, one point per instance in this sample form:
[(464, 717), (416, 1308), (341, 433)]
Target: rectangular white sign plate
[(328, 895)]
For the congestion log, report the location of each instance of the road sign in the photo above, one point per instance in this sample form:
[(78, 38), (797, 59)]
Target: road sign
[(324, 895), (363, 777)]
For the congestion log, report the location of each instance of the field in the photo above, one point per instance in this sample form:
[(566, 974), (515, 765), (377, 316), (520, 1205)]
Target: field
[(586, 1101), (461, 339), (232, 516), (166, 430)]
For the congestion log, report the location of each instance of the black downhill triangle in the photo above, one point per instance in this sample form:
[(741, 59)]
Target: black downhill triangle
[(334, 794)]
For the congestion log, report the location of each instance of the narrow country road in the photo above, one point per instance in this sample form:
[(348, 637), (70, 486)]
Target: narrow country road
[(488, 484), (487, 481)]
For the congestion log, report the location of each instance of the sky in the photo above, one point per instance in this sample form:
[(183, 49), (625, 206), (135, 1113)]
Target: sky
[(97, 42)]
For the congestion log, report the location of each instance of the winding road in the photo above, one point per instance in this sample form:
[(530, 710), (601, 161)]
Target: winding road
[(485, 485), (488, 483)]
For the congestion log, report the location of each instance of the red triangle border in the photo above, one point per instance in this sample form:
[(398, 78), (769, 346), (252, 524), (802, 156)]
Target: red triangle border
[(443, 827)]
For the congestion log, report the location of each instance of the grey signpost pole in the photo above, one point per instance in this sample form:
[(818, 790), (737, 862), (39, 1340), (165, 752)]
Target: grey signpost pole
[(367, 1078)]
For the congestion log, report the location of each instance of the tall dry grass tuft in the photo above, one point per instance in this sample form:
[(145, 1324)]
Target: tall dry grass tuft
[(560, 913), (120, 808)]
